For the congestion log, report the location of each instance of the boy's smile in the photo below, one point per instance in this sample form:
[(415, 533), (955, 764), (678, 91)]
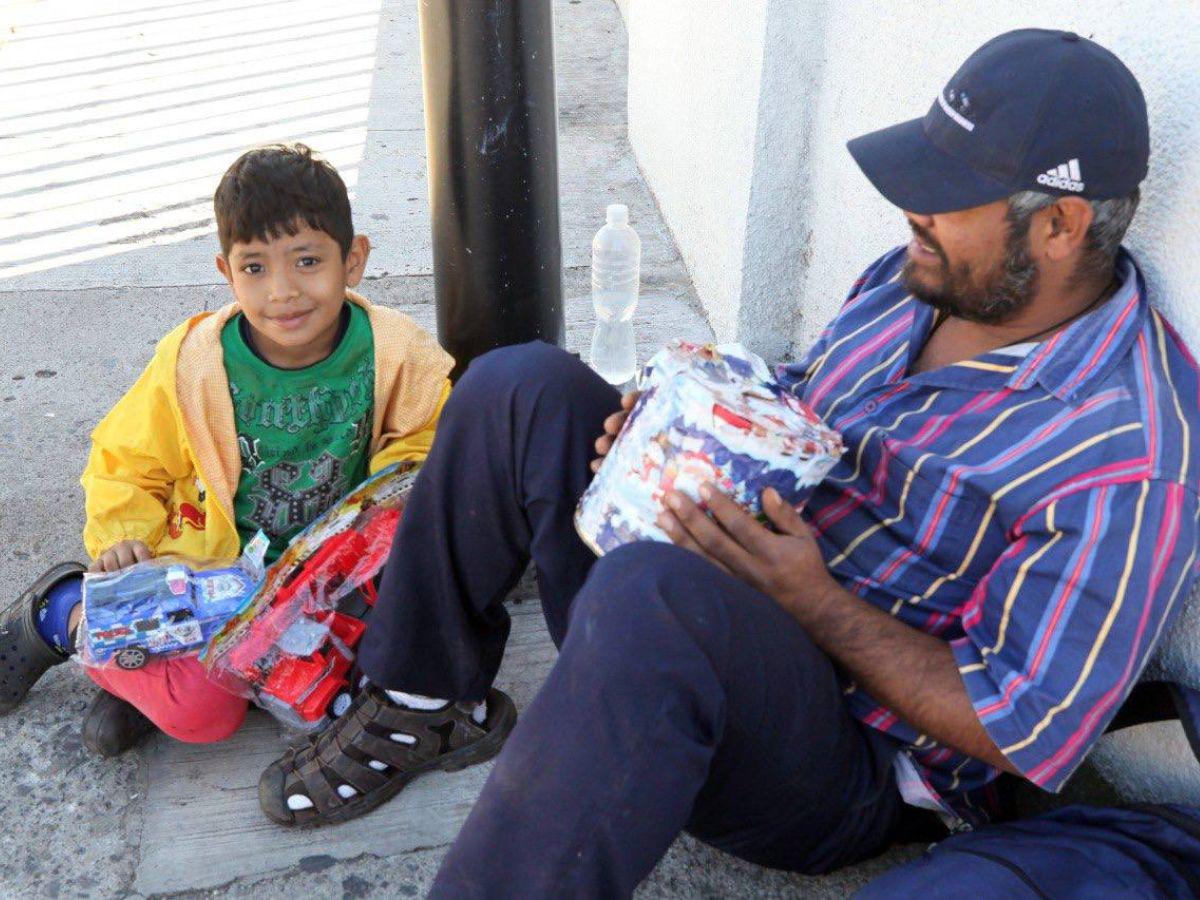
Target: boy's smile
[(291, 289)]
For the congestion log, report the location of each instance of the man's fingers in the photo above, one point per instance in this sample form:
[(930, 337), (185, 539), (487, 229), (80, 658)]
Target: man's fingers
[(680, 537), (735, 520), (713, 540), (612, 425), (97, 564), (782, 515), (141, 552)]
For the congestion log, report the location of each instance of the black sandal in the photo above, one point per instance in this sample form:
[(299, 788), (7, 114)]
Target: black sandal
[(367, 756), (24, 655)]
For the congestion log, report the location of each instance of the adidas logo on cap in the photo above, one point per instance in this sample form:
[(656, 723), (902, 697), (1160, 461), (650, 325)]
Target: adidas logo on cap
[(1065, 177)]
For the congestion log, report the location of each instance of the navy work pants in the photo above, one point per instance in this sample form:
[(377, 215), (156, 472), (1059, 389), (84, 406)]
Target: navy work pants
[(681, 699)]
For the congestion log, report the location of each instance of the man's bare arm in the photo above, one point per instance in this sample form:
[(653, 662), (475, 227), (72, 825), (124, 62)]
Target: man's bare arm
[(912, 673)]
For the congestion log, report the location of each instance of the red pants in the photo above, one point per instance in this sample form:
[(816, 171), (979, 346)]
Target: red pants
[(175, 694)]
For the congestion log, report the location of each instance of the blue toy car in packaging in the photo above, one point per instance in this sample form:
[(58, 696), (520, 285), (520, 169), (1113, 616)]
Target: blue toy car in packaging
[(159, 607)]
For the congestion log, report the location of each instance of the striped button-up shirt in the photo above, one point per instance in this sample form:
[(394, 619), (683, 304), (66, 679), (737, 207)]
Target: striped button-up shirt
[(1036, 507)]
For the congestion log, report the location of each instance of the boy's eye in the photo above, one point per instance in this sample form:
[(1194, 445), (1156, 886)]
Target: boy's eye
[(252, 268), (307, 261)]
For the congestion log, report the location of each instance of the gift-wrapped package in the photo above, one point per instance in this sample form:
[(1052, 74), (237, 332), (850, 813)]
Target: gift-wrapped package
[(706, 414)]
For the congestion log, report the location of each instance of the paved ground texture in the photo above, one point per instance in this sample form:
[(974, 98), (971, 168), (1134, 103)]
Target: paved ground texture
[(116, 121)]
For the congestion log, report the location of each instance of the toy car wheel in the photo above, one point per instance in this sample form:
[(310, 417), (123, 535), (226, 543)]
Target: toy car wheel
[(131, 658)]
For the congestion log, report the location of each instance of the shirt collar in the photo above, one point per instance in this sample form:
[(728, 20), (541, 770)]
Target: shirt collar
[(1018, 351), (1084, 352)]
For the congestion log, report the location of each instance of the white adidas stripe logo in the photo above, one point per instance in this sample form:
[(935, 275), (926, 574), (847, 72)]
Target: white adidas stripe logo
[(1065, 177)]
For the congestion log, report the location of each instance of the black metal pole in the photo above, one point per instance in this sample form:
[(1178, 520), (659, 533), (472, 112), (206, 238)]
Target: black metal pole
[(492, 135)]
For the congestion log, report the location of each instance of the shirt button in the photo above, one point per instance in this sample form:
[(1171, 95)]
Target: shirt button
[(870, 406)]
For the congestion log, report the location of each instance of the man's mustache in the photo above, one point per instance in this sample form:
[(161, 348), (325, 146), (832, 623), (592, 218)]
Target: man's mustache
[(923, 236)]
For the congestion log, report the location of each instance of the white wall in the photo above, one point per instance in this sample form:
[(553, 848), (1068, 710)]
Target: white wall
[(804, 76), (695, 64)]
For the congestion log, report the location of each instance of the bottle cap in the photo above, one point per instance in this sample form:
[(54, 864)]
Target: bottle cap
[(617, 214)]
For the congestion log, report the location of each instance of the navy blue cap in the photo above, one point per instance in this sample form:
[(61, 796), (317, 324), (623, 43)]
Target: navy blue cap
[(1030, 110)]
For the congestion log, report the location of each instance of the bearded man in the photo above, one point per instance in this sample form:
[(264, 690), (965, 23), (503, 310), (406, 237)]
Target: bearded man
[(973, 590)]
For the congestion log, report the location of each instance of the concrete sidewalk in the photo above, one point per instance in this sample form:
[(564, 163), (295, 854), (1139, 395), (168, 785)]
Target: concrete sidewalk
[(115, 126)]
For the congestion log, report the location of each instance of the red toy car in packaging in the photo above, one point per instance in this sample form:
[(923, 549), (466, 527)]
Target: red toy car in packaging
[(291, 648)]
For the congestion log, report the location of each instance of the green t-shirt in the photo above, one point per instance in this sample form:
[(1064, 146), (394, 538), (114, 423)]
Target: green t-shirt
[(303, 434)]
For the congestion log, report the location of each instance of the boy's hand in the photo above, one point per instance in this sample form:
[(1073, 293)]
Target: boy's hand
[(612, 426), (121, 555)]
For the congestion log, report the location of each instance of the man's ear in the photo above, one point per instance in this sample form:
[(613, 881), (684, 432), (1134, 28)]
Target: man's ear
[(1065, 227), (356, 259), (223, 268)]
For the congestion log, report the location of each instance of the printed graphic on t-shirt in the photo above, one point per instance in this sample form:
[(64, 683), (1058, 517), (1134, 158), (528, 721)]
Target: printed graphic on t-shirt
[(287, 496), (295, 467), (316, 407)]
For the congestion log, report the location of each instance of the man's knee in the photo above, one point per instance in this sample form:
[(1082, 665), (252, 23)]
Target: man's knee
[(652, 587), (666, 595), (519, 366), (642, 566)]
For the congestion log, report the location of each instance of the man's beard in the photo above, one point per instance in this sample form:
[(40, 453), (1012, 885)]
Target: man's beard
[(1007, 290)]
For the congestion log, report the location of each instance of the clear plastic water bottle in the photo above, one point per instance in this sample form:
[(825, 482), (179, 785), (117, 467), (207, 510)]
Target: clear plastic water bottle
[(616, 274)]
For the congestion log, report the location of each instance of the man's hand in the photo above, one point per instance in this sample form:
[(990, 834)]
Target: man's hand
[(121, 555), (612, 427), (784, 564)]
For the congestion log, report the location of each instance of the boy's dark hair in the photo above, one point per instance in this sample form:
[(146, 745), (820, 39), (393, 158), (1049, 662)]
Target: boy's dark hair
[(269, 190)]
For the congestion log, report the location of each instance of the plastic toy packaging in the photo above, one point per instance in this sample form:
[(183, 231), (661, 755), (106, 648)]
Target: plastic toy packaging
[(706, 414), (291, 646), (161, 607)]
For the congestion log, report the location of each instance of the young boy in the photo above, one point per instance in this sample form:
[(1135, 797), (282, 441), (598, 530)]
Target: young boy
[(257, 416)]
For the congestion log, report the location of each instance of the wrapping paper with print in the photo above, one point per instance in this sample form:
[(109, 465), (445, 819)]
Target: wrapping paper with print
[(706, 413)]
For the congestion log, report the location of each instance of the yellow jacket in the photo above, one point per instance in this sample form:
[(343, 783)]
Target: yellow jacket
[(164, 464)]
